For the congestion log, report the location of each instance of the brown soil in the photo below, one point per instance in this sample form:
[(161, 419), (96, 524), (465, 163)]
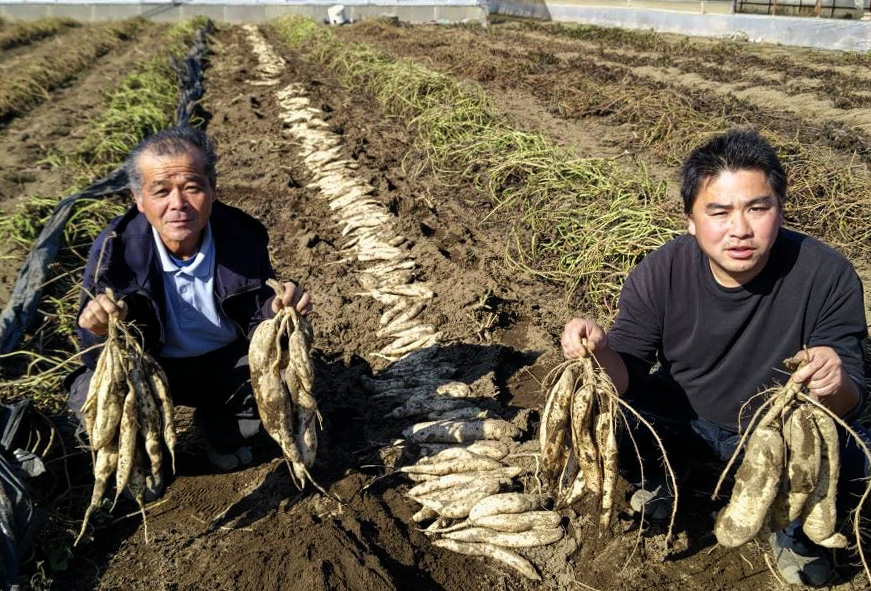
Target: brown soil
[(827, 74), (58, 125), (251, 529)]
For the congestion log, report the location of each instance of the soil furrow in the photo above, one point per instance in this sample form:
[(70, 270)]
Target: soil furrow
[(36, 77), (829, 65), (18, 47), (845, 88), (58, 125), (484, 57)]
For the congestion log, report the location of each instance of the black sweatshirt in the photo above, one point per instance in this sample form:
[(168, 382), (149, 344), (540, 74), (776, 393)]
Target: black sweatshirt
[(720, 345)]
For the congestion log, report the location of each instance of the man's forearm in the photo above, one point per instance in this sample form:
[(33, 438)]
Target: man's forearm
[(845, 399), (615, 367)]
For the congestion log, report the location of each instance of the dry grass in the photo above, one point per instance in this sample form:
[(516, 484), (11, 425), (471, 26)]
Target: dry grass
[(31, 81), (25, 33), (830, 186)]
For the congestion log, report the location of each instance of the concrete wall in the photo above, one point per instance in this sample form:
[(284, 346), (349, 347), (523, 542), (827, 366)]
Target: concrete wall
[(708, 19), (412, 11)]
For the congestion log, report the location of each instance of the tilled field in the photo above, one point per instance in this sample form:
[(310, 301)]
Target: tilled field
[(54, 127), (635, 98), (649, 99)]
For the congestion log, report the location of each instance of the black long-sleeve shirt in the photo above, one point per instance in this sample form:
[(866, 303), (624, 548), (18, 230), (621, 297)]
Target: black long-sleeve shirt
[(720, 345)]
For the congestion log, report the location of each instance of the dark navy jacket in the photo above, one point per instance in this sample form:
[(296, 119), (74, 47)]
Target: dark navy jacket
[(130, 266)]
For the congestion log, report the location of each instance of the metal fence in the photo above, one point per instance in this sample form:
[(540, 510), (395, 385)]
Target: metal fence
[(846, 9)]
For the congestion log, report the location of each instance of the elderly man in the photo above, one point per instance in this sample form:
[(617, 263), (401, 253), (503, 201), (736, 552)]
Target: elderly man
[(720, 309), (189, 272)]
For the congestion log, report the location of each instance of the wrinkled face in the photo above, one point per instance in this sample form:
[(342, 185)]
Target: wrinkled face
[(176, 199), (735, 219)]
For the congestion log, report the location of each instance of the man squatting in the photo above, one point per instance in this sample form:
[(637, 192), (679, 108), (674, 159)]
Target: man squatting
[(190, 273), (720, 309)]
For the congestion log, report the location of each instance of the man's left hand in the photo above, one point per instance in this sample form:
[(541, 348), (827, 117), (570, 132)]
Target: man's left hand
[(293, 296), (825, 379)]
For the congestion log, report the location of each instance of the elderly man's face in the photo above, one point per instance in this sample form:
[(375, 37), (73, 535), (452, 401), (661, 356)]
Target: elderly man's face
[(176, 199)]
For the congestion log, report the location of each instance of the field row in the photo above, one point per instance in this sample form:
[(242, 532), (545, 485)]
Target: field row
[(657, 118), (30, 78)]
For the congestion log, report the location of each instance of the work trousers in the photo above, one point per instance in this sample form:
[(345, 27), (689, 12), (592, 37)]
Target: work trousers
[(688, 438)]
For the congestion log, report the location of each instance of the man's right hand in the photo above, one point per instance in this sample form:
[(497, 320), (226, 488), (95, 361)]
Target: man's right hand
[(95, 316), (582, 337)]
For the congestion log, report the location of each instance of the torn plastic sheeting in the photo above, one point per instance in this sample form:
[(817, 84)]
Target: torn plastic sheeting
[(18, 313), (18, 518), (22, 305), (11, 417), (190, 69), (18, 523)]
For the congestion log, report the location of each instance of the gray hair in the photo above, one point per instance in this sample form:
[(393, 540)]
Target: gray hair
[(174, 141)]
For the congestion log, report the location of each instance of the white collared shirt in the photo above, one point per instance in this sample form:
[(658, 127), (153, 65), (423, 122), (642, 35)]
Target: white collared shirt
[(195, 323)]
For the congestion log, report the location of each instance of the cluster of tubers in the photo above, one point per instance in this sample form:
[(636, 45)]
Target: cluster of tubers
[(578, 435), (452, 411), (463, 472), (270, 65), (420, 387), (282, 378), (467, 483), (128, 416), (579, 439), (789, 472)]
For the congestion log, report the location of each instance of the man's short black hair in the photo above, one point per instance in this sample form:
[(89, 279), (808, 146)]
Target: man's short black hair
[(174, 141), (732, 151)]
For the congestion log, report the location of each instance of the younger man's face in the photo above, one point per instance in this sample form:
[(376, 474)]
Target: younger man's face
[(735, 219)]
